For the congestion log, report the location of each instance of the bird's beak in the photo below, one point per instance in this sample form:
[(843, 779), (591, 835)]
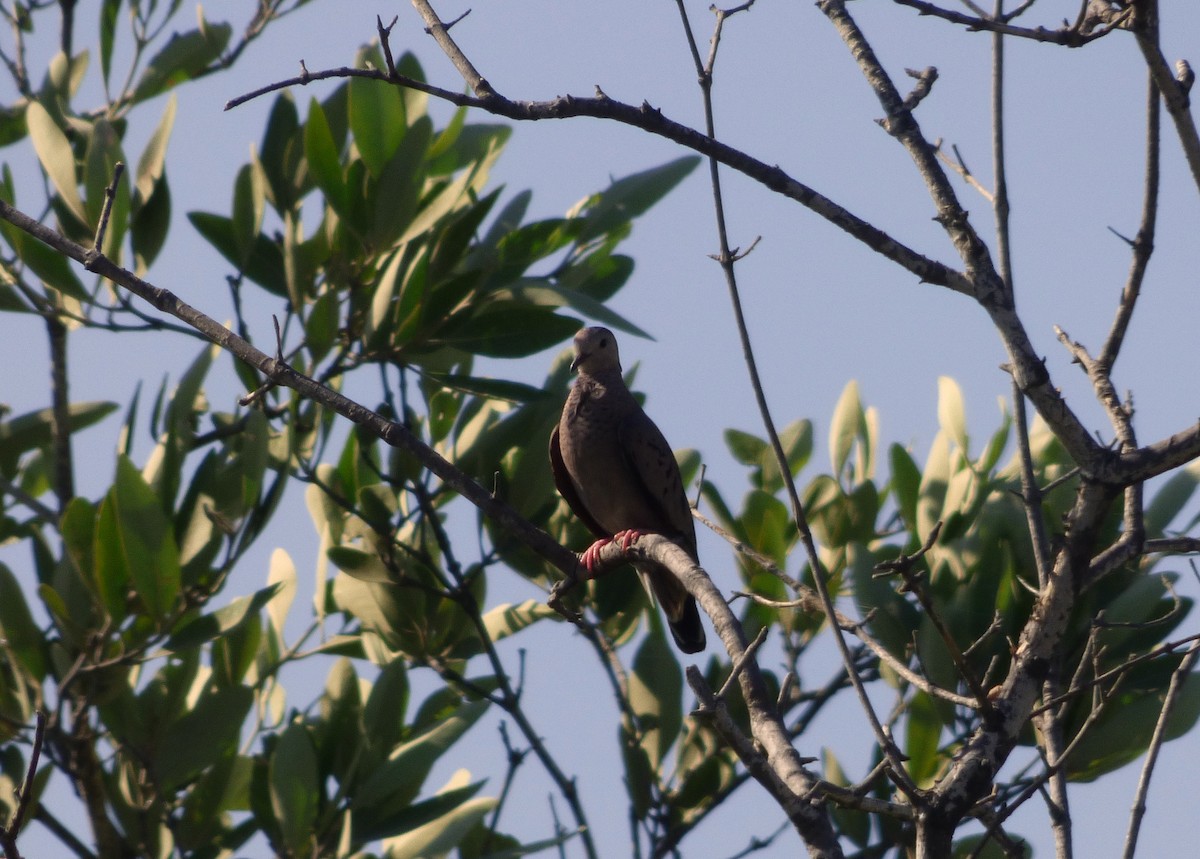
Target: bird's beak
[(579, 356)]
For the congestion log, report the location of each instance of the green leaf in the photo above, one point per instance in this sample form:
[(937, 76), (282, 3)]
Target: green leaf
[(414, 816), (474, 143), (282, 576), (377, 121), (599, 274), (746, 448), (952, 417), (996, 444), (295, 789), (221, 789), (398, 188), (386, 706), (1169, 500), (109, 568), (415, 101), (655, 694), (265, 264), (108, 30), (450, 196), (492, 389), (844, 428), (364, 566), (632, 195), (17, 628), (923, 732), (508, 619), (249, 199), (187, 402), (969, 848), (224, 620), (181, 59), (280, 153), (149, 224), (767, 525), (321, 325), (1126, 726), (442, 835), (146, 543), (324, 161), (934, 479), (797, 442), (639, 775), (152, 164), (51, 267), (31, 430), (206, 733), (906, 483), (509, 219), (398, 780), (56, 156), (546, 294), (512, 331)]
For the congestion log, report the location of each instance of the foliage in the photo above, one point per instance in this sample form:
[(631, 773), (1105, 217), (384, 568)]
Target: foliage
[(170, 715), (168, 690)]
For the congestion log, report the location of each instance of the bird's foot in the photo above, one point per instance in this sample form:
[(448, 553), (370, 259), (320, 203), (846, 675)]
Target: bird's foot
[(591, 556), (627, 538)]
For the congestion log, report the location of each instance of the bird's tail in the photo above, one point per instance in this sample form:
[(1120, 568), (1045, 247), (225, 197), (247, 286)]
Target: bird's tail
[(683, 616)]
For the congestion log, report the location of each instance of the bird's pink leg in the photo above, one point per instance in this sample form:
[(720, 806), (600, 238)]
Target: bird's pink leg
[(591, 556), (627, 538)]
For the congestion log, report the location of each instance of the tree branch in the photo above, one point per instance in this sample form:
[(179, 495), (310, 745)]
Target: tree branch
[(775, 763)]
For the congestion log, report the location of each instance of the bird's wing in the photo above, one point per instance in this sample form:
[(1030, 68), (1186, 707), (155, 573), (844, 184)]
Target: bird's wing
[(650, 459), (566, 488)]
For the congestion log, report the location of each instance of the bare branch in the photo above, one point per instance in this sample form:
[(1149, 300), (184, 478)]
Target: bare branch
[(653, 121), (10, 831), (1178, 678), (441, 35), (1086, 29), (1174, 94), (988, 287), (1143, 244)]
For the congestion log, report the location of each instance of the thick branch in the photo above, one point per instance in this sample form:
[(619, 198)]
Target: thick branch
[(974, 770), (1174, 96), (988, 287), (1086, 29), (792, 786), (652, 120)]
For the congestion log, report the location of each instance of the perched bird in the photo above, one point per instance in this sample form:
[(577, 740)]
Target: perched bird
[(616, 471)]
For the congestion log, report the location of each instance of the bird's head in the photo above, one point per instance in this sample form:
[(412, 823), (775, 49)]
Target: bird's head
[(595, 351)]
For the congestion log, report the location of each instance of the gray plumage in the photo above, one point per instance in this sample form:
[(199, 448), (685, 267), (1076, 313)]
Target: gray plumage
[(618, 474)]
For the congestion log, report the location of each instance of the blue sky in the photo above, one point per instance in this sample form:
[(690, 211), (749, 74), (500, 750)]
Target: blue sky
[(822, 309)]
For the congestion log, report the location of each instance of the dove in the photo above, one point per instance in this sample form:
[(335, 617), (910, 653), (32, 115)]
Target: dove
[(618, 475)]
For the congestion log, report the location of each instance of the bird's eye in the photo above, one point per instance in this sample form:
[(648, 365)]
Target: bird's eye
[(604, 343)]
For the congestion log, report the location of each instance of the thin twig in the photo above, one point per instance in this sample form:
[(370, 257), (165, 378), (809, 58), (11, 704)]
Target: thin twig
[(9, 833), (441, 35), (820, 577), (1031, 494), (1142, 245), (1178, 678), (110, 195)]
